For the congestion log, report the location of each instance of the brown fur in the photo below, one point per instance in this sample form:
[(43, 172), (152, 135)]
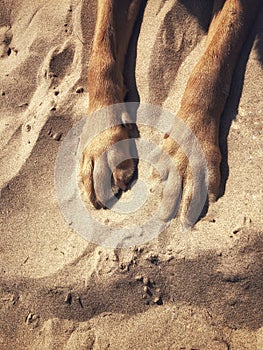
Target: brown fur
[(204, 97)]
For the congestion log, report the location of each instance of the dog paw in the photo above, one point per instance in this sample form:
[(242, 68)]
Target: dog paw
[(107, 166), (191, 178)]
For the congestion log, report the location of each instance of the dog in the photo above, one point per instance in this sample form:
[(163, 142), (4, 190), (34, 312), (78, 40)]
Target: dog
[(201, 107)]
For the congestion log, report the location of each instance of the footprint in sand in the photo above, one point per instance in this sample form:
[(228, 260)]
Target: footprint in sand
[(60, 63), (5, 40)]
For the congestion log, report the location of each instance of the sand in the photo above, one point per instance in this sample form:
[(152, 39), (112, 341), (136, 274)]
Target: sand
[(200, 289)]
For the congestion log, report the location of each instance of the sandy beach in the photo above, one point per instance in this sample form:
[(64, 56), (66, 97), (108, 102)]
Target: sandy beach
[(195, 290)]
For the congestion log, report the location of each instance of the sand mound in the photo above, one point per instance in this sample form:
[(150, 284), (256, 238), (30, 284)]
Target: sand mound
[(201, 289)]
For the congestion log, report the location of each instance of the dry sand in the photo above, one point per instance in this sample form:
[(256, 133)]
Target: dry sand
[(201, 289)]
